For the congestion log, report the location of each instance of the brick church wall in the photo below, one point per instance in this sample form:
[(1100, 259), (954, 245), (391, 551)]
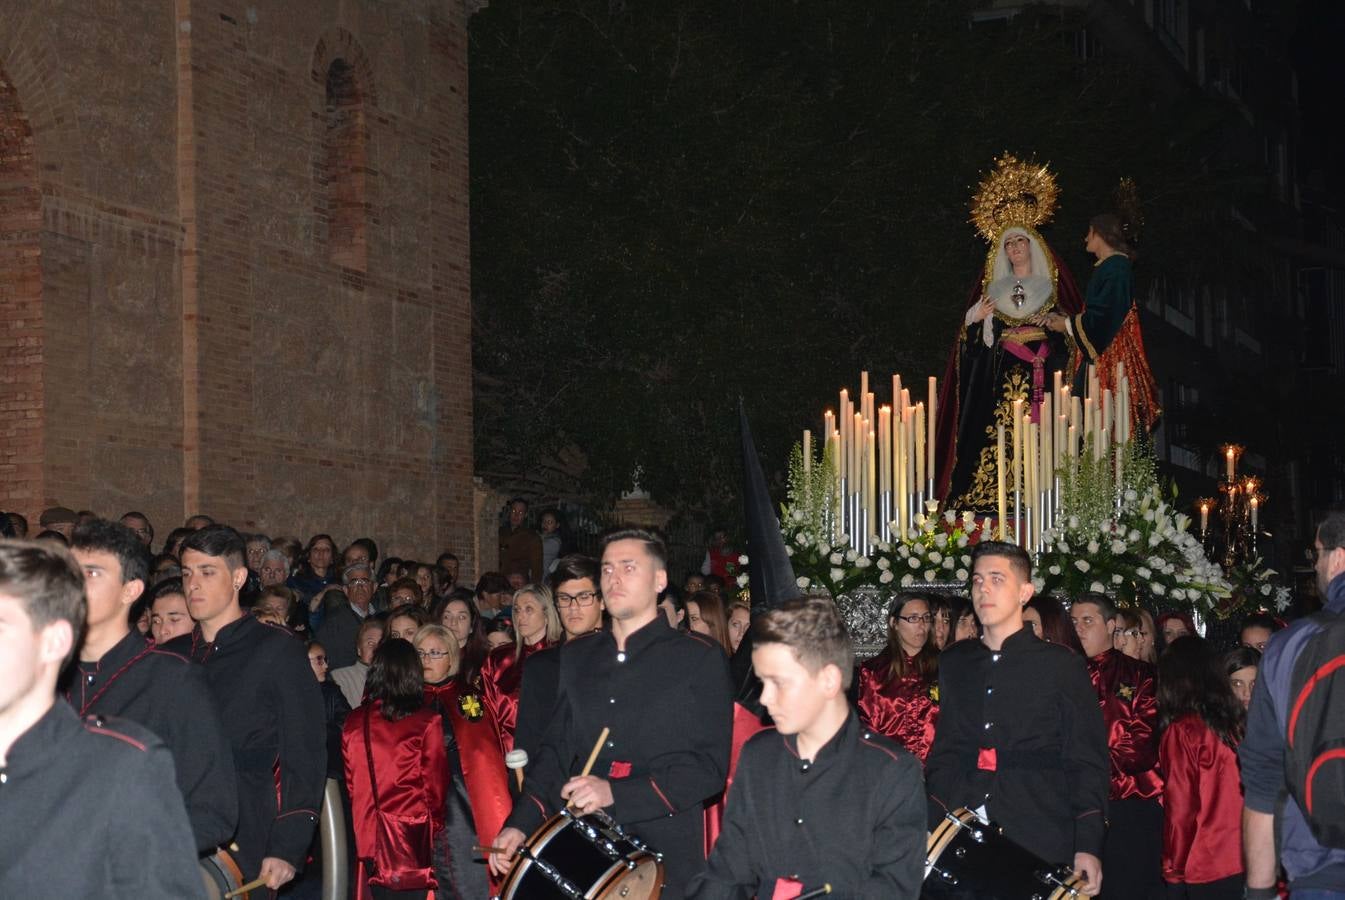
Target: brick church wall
[(250, 294)]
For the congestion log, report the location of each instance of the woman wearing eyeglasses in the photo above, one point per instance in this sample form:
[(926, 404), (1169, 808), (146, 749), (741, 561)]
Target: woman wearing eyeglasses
[(478, 797), (898, 688), (536, 626)]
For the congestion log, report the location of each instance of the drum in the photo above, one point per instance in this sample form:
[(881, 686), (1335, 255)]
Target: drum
[(968, 858), (221, 875), (590, 857)]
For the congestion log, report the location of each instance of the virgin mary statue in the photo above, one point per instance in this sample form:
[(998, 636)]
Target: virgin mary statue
[(1003, 352)]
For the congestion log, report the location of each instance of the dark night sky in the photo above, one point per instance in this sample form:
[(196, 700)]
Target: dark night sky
[(1319, 52)]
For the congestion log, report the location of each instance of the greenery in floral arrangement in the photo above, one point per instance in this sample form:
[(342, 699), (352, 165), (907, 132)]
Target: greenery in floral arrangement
[(1088, 483), (1253, 590), (820, 558), (1146, 551)]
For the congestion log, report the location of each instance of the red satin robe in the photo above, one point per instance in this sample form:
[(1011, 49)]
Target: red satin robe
[(746, 724), (411, 768), (483, 769), (1126, 692), (501, 678), (905, 710), (1202, 799)]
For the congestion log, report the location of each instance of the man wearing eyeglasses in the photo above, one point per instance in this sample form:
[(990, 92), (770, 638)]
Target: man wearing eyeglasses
[(1126, 690), (341, 624), (574, 585)]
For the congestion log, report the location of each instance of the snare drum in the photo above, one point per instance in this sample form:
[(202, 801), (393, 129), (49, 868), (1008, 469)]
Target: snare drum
[(590, 857), (969, 858), (221, 875)]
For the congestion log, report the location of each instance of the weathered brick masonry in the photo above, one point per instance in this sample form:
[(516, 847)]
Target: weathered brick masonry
[(234, 264)]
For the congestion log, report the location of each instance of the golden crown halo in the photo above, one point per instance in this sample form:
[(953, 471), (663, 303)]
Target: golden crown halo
[(1013, 193)]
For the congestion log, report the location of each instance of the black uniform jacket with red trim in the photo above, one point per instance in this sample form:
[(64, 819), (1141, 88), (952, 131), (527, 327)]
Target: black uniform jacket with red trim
[(88, 808), (852, 817), (272, 711), (666, 700), (167, 693)]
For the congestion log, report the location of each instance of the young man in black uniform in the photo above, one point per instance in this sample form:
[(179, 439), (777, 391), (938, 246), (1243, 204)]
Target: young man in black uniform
[(269, 703), (574, 584), (820, 800), (89, 805), (665, 697), (120, 673), (1020, 734)]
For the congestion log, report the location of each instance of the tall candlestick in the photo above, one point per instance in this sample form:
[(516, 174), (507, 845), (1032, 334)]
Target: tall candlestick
[(885, 449), (899, 474), (1256, 506), (933, 428), (1001, 498), (1228, 457), (919, 446), (863, 385), (1018, 445), (1204, 519), (857, 429), (911, 486), (1047, 444), (1071, 444), (1057, 388)]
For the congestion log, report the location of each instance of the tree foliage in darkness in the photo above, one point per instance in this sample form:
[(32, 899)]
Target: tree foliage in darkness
[(674, 204)]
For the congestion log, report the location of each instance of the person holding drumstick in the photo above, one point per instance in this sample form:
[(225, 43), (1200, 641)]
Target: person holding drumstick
[(664, 697), (1020, 738), (821, 801)]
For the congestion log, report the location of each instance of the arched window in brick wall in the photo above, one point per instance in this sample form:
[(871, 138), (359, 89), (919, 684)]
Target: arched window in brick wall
[(343, 180)]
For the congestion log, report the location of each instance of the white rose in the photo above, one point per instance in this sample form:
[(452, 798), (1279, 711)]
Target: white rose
[(742, 580), (1133, 536), (1118, 547), (948, 515), (883, 563), (1093, 548), (1131, 496), (835, 559), (948, 562), (1063, 546), (1179, 594), (1149, 515), (1143, 573), (837, 574), (801, 539), (850, 555), (1038, 584), (1082, 565), (1158, 589), (1117, 579), (915, 563), (742, 559), (885, 578), (960, 574), (930, 575), (1155, 540), (1097, 587), (863, 562), (1054, 570), (941, 539), (907, 580), (1265, 590), (789, 551), (798, 515), (803, 581), (1073, 522), (935, 556), (962, 540), (966, 559)]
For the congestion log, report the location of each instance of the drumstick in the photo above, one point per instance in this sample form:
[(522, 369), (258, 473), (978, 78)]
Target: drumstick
[(597, 748), (517, 760), (240, 891), (819, 892), (491, 851), (592, 758)]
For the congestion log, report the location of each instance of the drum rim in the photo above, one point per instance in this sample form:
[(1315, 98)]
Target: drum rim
[(961, 818), (538, 841)]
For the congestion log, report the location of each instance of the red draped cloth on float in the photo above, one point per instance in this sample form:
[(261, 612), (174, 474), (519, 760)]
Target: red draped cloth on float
[(501, 678), (1068, 300), (903, 709), (745, 724), (411, 770), (483, 768)]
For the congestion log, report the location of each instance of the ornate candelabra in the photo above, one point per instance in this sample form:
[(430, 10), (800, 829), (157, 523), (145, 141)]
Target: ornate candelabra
[(1237, 509)]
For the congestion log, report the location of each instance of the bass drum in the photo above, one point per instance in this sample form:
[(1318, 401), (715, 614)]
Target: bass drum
[(590, 857), (968, 858), (221, 875)]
